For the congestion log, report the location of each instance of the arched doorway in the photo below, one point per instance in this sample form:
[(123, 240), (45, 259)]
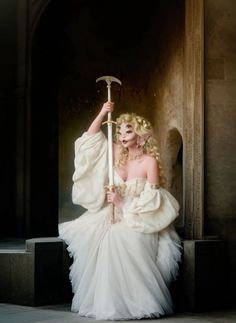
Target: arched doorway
[(174, 146)]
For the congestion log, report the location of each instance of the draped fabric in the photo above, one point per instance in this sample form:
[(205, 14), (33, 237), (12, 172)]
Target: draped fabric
[(120, 270)]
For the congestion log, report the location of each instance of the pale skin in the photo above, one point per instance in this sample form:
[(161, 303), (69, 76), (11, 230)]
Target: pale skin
[(145, 166)]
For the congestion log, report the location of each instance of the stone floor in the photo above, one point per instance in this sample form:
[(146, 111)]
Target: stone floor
[(61, 314)]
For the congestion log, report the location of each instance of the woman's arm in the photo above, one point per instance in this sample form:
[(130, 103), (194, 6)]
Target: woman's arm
[(153, 176), (97, 122)]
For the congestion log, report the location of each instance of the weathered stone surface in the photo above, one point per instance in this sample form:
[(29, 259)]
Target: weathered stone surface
[(36, 276), (220, 157), (220, 130), (214, 69), (5, 277), (220, 26), (220, 92), (230, 69), (193, 120), (22, 278)]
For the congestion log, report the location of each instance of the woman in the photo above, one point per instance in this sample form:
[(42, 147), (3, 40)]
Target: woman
[(124, 247)]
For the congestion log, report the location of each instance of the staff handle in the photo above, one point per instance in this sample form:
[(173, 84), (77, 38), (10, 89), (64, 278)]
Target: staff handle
[(109, 138)]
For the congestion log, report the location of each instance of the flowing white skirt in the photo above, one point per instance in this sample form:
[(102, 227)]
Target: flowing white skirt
[(118, 273)]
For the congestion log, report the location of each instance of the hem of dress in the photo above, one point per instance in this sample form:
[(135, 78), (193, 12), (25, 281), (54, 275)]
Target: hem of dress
[(155, 315)]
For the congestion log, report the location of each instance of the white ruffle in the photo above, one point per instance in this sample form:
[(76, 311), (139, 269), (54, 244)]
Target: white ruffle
[(169, 254), (118, 273)]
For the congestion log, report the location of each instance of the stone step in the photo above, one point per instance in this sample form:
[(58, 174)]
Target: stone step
[(34, 273)]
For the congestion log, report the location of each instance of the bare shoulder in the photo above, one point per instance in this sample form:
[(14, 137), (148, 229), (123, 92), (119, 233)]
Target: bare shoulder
[(150, 161)]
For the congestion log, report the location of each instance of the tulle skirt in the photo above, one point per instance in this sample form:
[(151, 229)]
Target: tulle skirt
[(117, 273)]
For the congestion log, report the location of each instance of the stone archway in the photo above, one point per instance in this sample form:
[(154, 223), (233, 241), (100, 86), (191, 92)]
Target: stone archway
[(36, 190), (29, 12)]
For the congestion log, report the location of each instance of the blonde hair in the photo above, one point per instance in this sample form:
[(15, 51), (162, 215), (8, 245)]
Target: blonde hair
[(142, 127)]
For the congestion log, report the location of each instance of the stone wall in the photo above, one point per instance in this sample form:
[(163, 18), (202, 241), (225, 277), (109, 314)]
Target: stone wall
[(167, 86), (144, 50), (220, 120)]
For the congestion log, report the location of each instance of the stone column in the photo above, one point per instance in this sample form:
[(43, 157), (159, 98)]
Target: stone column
[(28, 15), (193, 120)]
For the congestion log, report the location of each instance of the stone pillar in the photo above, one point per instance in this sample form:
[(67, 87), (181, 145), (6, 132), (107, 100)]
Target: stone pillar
[(36, 203), (194, 120)]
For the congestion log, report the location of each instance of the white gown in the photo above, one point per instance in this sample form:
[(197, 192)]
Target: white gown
[(123, 270)]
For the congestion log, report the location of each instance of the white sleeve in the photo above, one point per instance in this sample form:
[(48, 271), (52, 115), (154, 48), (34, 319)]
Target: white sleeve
[(90, 175), (153, 211)]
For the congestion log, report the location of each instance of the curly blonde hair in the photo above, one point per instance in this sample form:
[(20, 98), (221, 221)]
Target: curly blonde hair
[(143, 128)]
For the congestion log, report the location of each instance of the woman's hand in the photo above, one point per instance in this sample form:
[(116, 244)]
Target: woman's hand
[(97, 122), (107, 107), (114, 198)]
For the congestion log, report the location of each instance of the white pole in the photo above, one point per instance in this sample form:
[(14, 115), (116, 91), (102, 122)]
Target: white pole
[(110, 143), (109, 80)]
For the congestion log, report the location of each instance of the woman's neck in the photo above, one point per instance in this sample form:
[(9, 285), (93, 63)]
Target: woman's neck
[(134, 153)]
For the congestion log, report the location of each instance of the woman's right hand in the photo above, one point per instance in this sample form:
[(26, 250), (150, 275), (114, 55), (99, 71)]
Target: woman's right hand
[(97, 122), (115, 198), (107, 107)]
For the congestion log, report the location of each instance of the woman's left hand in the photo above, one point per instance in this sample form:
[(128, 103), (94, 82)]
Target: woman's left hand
[(115, 198)]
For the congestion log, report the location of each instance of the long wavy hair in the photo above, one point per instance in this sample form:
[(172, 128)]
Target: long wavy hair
[(143, 128)]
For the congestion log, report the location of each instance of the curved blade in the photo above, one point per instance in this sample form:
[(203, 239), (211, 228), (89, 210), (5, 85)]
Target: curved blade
[(109, 79)]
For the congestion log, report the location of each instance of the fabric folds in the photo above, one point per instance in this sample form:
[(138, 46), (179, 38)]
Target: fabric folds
[(120, 271), (152, 211), (90, 168)]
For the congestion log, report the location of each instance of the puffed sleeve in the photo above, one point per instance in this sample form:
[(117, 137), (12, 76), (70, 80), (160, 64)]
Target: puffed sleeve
[(90, 173), (153, 211)]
